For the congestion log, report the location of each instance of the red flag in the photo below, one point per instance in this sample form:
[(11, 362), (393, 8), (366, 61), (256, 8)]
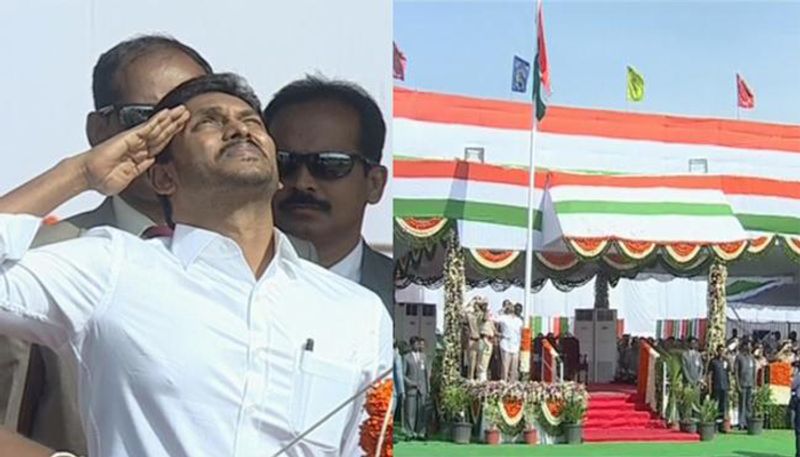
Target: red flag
[(544, 68), (746, 98), (399, 63)]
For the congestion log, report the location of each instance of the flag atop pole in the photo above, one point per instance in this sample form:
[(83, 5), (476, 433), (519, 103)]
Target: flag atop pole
[(399, 63), (745, 97), (541, 49), (635, 85), (539, 107)]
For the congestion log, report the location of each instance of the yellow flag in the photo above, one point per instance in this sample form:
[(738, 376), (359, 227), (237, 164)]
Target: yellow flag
[(635, 85)]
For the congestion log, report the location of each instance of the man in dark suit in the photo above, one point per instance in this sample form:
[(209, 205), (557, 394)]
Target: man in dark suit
[(745, 371), (330, 137), (416, 375), (719, 382), (692, 364)]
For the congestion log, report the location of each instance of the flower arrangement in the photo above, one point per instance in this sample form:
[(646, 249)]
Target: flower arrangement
[(376, 426)]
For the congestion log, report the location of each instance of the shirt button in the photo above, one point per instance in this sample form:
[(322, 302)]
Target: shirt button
[(251, 410)]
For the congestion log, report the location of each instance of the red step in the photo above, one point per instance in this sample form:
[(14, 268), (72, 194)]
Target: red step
[(616, 415)]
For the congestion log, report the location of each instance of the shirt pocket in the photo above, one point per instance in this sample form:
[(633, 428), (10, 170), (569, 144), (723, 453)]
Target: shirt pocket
[(323, 385)]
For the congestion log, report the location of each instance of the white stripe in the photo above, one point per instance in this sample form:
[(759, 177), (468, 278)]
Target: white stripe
[(768, 206), (650, 228), (576, 152), (646, 195), (459, 189), (482, 235), (509, 194)]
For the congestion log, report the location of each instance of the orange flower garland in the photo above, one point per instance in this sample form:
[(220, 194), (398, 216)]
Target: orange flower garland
[(378, 399), (780, 374)]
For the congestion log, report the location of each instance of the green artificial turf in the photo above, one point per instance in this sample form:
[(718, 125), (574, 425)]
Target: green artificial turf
[(773, 443)]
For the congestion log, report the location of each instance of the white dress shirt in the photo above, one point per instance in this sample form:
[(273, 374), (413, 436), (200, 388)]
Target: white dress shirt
[(129, 219), (511, 331), (350, 266), (181, 351)]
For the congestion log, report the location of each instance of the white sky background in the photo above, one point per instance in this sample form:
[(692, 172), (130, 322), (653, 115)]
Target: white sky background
[(50, 47)]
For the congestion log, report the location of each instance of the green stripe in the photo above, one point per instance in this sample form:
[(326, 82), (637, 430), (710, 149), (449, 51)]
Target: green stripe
[(786, 225), (740, 286), (643, 208), (514, 216)]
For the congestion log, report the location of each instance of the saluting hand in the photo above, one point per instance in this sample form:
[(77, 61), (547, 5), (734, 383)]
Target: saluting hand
[(111, 166)]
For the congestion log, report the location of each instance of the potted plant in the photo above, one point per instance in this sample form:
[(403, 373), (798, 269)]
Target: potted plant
[(491, 414), (529, 433), (675, 379), (708, 416), (455, 402), (688, 405), (572, 417), (762, 400)]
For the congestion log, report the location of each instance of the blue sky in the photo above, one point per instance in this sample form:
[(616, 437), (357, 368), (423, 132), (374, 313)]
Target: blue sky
[(688, 52)]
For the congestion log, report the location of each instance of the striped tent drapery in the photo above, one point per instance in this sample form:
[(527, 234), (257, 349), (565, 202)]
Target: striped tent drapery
[(598, 165), (682, 328)]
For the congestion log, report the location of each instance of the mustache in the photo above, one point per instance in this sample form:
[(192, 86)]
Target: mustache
[(237, 143), (303, 198)]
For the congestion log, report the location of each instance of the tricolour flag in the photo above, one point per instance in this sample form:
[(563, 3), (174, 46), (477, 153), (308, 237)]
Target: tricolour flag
[(399, 63), (635, 85), (745, 97), (541, 50), (519, 78)]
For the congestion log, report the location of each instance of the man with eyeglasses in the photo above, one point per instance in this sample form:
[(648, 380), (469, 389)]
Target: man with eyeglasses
[(330, 136)]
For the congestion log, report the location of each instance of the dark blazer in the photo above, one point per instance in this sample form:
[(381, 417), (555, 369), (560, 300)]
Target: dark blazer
[(377, 275), (416, 375)]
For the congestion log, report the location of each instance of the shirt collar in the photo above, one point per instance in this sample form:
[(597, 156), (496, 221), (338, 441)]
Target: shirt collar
[(189, 242), (128, 219), (350, 266)]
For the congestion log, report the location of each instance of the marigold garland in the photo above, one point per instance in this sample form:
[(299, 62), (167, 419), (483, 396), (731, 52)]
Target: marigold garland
[(379, 398), (780, 374)]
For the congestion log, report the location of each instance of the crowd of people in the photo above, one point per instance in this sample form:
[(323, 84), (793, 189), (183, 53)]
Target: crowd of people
[(741, 363)]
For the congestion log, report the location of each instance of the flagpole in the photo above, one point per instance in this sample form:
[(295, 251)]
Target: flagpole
[(528, 299), (528, 302)]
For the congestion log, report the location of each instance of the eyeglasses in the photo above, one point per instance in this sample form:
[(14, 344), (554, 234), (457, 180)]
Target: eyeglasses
[(128, 115), (322, 165)]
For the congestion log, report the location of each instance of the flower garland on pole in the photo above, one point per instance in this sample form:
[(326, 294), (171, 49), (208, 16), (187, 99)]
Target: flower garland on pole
[(453, 301), (378, 428), (717, 302)]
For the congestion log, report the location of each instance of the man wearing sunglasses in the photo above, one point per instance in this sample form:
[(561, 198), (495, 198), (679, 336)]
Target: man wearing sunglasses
[(330, 136)]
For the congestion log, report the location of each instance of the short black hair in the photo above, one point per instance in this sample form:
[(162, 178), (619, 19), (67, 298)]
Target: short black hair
[(226, 83), (104, 86), (372, 128)]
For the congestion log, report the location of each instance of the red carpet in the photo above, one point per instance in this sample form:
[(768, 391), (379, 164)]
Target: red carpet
[(614, 415)]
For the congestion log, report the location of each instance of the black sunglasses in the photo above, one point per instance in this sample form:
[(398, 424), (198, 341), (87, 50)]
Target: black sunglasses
[(322, 165), (129, 116)]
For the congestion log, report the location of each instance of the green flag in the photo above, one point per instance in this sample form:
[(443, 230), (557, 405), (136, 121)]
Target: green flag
[(635, 85), (537, 90)]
